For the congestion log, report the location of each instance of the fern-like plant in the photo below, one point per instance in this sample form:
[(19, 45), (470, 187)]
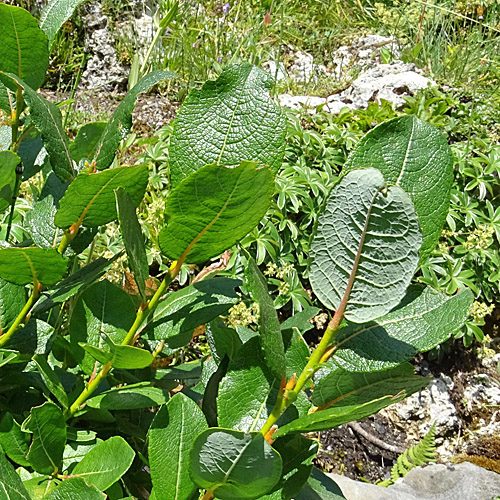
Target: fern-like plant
[(415, 456)]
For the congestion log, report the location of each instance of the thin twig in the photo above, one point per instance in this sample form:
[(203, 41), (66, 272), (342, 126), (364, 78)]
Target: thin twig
[(356, 427)]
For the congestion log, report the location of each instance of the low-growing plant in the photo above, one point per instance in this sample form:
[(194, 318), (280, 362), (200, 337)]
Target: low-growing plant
[(92, 359)]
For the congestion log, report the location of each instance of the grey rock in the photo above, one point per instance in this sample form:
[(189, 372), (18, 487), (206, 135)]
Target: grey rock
[(383, 81), (363, 53), (304, 69), (464, 481), (301, 101), (103, 69)]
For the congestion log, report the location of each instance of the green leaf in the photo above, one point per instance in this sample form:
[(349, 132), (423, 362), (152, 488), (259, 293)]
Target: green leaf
[(341, 388), (129, 357), (55, 14), (39, 223), (23, 47), (39, 486), (48, 426), (338, 415), (5, 104), (103, 309), (413, 155), (222, 340), (27, 265), (300, 320), (227, 122), (36, 337), (13, 440), (76, 282), (12, 300), (75, 451), (236, 465), (32, 153), (271, 340), (98, 354), (47, 118), (368, 238), (120, 123), (130, 397), (171, 437), (182, 311), (51, 379), (133, 239), (320, 487), (245, 409), (11, 486), (75, 488), (297, 453), (90, 198), (8, 356), (86, 141), (423, 320), (212, 209), (104, 464), (8, 164)]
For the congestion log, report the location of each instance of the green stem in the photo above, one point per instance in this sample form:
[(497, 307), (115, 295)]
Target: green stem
[(35, 294), (144, 311), (68, 237), (322, 352)]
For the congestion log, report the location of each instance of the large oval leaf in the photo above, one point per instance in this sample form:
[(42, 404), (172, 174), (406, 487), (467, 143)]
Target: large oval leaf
[(171, 437), (226, 122), (104, 464), (55, 14), (22, 266), (213, 209), (341, 388), (366, 246), (90, 198), (414, 155), (23, 47), (48, 426), (423, 320), (234, 464)]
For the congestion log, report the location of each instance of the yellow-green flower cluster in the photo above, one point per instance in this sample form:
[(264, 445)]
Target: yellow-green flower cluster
[(479, 310), (241, 315), (273, 271), (480, 238)]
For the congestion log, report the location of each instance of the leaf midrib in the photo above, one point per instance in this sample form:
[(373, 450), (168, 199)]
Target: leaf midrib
[(224, 144)]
